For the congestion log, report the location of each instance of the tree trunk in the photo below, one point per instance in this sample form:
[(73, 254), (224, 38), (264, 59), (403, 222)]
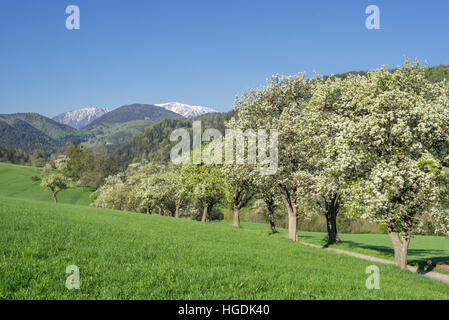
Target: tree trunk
[(177, 209), (292, 216), (272, 225), (332, 208), (331, 222), (205, 214), (400, 248), (269, 202), (236, 217), (292, 223), (54, 198)]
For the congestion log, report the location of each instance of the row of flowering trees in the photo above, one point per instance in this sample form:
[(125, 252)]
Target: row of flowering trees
[(376, 144)]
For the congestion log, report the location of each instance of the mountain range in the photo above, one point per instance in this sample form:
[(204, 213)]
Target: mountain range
[(32, 132), (186, 110), (94, 127), (117, 127), (80, 118)]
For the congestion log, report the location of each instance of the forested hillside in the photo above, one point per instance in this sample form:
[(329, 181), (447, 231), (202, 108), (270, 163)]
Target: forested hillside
[(32, 133), (433, 74), (117, 127), (14, 156), (154, 143)]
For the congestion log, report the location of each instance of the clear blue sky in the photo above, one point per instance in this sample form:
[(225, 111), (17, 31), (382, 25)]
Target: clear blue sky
[(197, 52)]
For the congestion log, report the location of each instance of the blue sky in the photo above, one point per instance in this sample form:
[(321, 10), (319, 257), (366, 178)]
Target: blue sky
[(197, 52)]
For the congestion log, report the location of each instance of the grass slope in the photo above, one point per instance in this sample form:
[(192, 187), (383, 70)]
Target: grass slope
[(133, 256), (15, 182)]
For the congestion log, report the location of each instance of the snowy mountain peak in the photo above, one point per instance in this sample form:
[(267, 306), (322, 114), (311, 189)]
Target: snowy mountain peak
[(186, 110), (80, 118)]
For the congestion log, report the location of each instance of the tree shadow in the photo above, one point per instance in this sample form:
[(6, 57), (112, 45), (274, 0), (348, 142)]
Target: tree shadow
[(304, 236), (427, 254), (424, 267)]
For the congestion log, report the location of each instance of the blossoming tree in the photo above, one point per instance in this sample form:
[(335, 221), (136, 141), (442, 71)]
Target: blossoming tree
[(279, 106), (392, 146)]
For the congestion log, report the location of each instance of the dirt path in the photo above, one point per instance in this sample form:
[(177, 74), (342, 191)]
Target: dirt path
[(430, 274)]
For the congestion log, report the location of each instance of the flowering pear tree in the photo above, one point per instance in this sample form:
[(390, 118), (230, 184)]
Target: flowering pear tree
[(238, 188), (112, 194), (62, 163), (205, 184), (279, 106), (55, 182), (266, 190), (177, 188), (323, 177), (393, 144)]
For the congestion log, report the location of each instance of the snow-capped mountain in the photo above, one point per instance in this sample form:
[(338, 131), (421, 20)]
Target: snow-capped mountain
[(80, 118), (186, 110)]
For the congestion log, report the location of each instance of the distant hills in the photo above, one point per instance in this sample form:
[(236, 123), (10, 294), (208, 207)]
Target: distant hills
[(132, 112), (94, 127), (32, 132), (154, 143), (186, 110), (117, 127), (80, 118)]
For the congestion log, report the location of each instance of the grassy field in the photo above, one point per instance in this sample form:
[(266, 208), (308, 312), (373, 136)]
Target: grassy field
[(134, 256), (15, 182), (125, 255)]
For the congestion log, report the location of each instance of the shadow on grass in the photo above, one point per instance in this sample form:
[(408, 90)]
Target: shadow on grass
[(422, 263), (435, 255), (426, 254), (305, 236)]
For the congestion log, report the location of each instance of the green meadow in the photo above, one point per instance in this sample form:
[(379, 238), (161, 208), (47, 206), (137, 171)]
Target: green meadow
[(15, 182), (124, 255)]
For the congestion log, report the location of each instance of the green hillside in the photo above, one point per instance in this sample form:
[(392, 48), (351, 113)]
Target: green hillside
[(154, 143), (32, 132), (130, 113), (114, 136), (117, 127), (19, 135), (15, 182), (125, 255), (133, 256), (51, 128)]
